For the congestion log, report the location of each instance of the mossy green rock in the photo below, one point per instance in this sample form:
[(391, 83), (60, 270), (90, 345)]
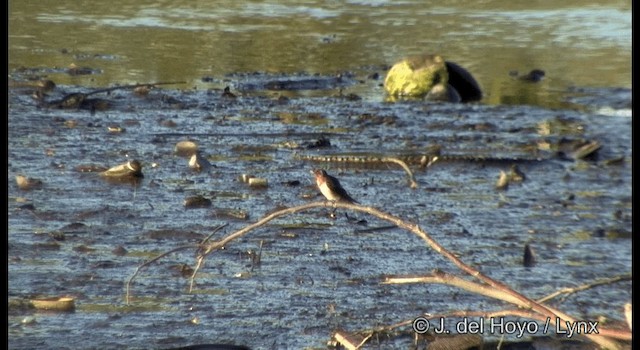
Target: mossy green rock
[(433, 78), (416, 75)]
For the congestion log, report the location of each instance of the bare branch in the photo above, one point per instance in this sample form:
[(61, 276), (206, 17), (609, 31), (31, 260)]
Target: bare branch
[(505, 292), (147, 263), (572, 290)]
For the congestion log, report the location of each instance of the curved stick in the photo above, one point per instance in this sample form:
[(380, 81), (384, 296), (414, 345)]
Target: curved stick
[(517, 298), (147, 263)]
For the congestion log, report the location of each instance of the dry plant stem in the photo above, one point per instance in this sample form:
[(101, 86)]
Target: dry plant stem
[(192, 280), (200, 259), (626, 277), (206, 239), (147, 263), (445, 278)]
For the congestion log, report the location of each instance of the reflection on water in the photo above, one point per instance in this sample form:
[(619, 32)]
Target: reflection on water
[(575, 43), (581, 27)]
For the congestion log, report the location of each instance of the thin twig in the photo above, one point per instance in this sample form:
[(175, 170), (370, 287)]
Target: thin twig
[(220, 227), (192, 279), (452, 280), (571, 290), (201, 257), (147, 263)]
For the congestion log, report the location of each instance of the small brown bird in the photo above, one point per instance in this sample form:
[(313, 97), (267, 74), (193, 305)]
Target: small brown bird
[(330, 187)]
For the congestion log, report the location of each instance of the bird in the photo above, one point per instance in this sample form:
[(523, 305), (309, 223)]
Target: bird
[(331, 188)]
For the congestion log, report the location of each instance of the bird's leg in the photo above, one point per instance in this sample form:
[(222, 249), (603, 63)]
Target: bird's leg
[(332, 214)]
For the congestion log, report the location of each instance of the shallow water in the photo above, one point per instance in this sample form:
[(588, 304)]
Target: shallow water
[(317, 274), (577, 43)]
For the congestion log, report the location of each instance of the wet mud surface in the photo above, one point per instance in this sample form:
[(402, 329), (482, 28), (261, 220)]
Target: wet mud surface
[(79, 235)]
